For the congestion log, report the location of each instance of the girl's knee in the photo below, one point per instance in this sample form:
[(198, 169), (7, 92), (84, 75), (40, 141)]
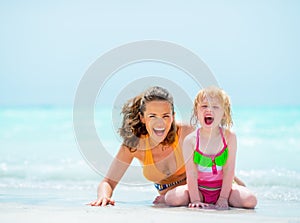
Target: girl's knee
[(241, 197), (250, 202)]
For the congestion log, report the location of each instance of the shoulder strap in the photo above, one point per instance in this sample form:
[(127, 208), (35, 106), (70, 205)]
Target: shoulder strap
[(197, 140), (223, 138), (148, 159)]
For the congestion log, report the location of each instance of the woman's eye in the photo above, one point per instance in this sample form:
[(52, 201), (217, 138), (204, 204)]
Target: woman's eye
[(166, 116)]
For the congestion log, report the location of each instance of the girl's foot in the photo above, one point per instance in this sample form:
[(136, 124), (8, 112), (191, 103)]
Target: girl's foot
[(159, 199)]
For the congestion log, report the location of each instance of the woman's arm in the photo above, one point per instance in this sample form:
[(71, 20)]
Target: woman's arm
[(228, 172), (116, 171)]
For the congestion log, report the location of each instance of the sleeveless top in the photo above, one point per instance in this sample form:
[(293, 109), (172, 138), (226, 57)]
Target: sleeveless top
[(153, 174)]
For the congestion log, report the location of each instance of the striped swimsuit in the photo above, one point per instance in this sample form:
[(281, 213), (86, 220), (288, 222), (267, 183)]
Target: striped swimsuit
[(210, 170)]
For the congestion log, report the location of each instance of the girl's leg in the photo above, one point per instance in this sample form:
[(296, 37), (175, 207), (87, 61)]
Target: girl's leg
[(241, 197), (178, 196), (160, 199)]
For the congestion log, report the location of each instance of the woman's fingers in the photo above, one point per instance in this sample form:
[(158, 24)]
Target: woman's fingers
[(102, 202), (93, 203), (112, 202), (107, 201)]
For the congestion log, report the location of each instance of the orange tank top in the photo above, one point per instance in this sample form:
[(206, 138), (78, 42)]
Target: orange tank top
[(151, 172)]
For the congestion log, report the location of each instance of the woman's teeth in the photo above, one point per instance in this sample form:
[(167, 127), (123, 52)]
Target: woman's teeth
[(159, 131)]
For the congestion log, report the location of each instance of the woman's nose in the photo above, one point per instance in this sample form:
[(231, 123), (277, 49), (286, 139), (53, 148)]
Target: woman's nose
[(160, 120)]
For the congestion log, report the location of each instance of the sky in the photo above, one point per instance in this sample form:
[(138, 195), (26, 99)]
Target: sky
[(252, 47)]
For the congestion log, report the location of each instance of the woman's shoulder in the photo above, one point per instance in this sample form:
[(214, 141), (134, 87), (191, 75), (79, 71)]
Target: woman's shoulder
[(192, 135), (188, 132), (184, 130), (137, 152)]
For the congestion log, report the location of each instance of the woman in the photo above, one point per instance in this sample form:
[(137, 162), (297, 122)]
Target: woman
[(151, 135)]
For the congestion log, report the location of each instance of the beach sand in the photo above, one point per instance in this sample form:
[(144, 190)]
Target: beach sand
[(131, 213), (48, 206)]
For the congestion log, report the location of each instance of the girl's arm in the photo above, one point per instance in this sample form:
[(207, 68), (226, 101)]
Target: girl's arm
[(117, 169), (228, 172), (191, 171)]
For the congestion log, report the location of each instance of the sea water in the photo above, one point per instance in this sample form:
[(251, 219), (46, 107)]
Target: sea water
[(41, 162)]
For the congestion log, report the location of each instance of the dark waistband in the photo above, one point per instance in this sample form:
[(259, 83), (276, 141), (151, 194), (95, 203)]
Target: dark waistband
[(161, 187)]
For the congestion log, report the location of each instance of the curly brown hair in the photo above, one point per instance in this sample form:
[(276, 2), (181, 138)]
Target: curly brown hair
[(132, 127)]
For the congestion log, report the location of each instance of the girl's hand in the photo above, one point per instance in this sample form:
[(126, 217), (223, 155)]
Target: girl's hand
[(103, 201), (198, 204), (222, 204)]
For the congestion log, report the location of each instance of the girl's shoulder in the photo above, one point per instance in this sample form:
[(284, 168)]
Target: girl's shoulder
[(230, 136), (226, 131)]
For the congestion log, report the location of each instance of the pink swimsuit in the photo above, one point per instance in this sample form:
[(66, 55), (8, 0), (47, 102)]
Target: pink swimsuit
[(210, 171)]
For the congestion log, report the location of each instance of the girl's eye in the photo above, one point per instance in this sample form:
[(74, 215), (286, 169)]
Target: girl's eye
[(203, 106), (215, 107)]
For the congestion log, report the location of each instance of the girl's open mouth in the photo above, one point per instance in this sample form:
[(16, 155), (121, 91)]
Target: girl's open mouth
[(159, 131), (208, 120)]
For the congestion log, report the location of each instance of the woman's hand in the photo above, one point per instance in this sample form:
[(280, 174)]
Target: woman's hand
[(103, 201), (116, 170), (222, 204)]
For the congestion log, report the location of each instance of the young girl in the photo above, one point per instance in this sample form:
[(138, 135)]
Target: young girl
[(210, 153)]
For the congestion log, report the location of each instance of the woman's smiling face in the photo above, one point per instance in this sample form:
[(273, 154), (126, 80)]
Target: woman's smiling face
[(158, 118)]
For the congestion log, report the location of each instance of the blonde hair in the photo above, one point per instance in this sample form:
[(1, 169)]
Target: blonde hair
[(224, 99)]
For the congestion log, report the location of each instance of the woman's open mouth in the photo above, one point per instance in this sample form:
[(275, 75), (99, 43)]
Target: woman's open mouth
[(159, 131), (208, 120)]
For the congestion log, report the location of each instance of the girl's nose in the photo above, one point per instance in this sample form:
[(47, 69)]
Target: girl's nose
[(209, 108)]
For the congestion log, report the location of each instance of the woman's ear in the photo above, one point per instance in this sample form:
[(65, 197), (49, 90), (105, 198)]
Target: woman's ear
[(142, 118)]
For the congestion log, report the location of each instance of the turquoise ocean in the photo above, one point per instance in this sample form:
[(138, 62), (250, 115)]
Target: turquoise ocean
[(41, 163)]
